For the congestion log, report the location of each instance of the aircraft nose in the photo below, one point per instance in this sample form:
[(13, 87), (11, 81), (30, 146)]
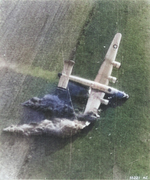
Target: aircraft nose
[(122, 95)]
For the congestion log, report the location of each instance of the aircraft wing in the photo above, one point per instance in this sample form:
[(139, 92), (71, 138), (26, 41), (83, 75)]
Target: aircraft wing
[(104, 76)]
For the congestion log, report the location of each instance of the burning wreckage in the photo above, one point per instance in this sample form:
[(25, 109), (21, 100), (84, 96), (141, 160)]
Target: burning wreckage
[(64, 121)]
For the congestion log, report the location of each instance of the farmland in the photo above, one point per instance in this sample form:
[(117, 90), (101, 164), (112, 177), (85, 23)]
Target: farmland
[(33, 46)]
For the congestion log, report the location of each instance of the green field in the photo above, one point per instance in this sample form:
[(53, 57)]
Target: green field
[(118, 145)]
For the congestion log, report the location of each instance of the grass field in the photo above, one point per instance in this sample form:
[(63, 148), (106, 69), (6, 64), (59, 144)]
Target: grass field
[(122, 137), (118, 145)]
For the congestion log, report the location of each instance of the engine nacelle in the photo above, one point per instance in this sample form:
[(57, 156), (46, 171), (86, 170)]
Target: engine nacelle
[(116, 64), (104, 101), (112, 79)]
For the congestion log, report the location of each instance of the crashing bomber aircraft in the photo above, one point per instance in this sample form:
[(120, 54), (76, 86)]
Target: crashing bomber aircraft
[(64, 121)]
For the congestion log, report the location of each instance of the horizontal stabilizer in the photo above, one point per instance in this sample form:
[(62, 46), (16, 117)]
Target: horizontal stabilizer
[(64, 79)]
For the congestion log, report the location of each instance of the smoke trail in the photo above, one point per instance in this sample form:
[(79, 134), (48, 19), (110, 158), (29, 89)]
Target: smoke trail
[(52, 105), (63, 120), (58, 127)]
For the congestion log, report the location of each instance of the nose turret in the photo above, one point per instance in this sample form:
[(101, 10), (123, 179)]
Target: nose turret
[(122, 95), (126, 95)]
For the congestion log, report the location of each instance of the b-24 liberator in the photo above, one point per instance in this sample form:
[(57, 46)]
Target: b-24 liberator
[(60, 118)]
